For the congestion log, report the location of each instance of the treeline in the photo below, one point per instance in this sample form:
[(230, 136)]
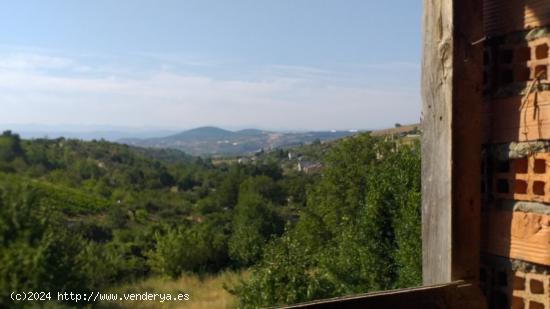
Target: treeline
[(82, 216)]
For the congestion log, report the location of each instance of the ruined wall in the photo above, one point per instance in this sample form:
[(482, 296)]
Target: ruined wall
[(516, 171)]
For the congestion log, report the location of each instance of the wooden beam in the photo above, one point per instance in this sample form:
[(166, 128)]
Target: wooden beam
[(451, 142), (456, 295), (436, 141), (467, 138)]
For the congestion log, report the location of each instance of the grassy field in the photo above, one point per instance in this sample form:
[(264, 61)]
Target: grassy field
[(204, 292)]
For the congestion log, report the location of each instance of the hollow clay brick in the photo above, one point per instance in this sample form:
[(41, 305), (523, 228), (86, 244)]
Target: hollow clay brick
[(509, 286), (512, 121), (526, 179), (518, 235)]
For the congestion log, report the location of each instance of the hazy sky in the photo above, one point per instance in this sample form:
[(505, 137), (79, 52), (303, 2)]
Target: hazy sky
[(277, 64)]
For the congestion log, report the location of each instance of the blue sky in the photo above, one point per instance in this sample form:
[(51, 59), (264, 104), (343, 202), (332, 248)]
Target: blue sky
[(279, 64)]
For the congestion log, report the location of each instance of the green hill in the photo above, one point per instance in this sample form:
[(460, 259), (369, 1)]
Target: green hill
[(81, 216), (212, 141)]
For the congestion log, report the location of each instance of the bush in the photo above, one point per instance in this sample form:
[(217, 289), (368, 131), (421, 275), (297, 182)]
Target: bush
[(254, 223), (202, 247), (38, 252), (285, 275)]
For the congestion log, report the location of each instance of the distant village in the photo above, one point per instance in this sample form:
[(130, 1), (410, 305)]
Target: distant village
[(295, 159), (299, 162)]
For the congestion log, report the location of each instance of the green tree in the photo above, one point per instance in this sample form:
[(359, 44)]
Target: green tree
[(254, 223), (264, 186), (228, 191), (10, 146), (38, 252), (177, 251), (202, 247), (286, 275), (359, 232)]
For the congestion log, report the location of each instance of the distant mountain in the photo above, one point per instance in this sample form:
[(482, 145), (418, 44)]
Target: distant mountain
[(202, 134), (216, 141)]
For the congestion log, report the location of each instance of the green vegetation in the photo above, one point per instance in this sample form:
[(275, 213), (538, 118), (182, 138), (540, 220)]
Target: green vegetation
[(92, 216), (359, 232)]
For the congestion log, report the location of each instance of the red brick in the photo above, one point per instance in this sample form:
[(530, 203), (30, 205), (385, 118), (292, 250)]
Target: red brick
[(518, 235), (541, 299), (504, 16), (517, 295), (524, 179), (514, 121)]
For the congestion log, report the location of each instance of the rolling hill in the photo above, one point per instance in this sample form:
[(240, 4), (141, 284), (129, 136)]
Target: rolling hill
[(215, 141)]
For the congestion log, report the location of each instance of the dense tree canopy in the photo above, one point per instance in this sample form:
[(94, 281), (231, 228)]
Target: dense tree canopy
[(84, 216), (359, 232)]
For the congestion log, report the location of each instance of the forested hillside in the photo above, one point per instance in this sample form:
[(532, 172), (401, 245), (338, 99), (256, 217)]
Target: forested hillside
[(86, 216)]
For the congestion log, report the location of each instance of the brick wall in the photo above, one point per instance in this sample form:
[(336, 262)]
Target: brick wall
[(516, 204), (515, 284), (525, 179)]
